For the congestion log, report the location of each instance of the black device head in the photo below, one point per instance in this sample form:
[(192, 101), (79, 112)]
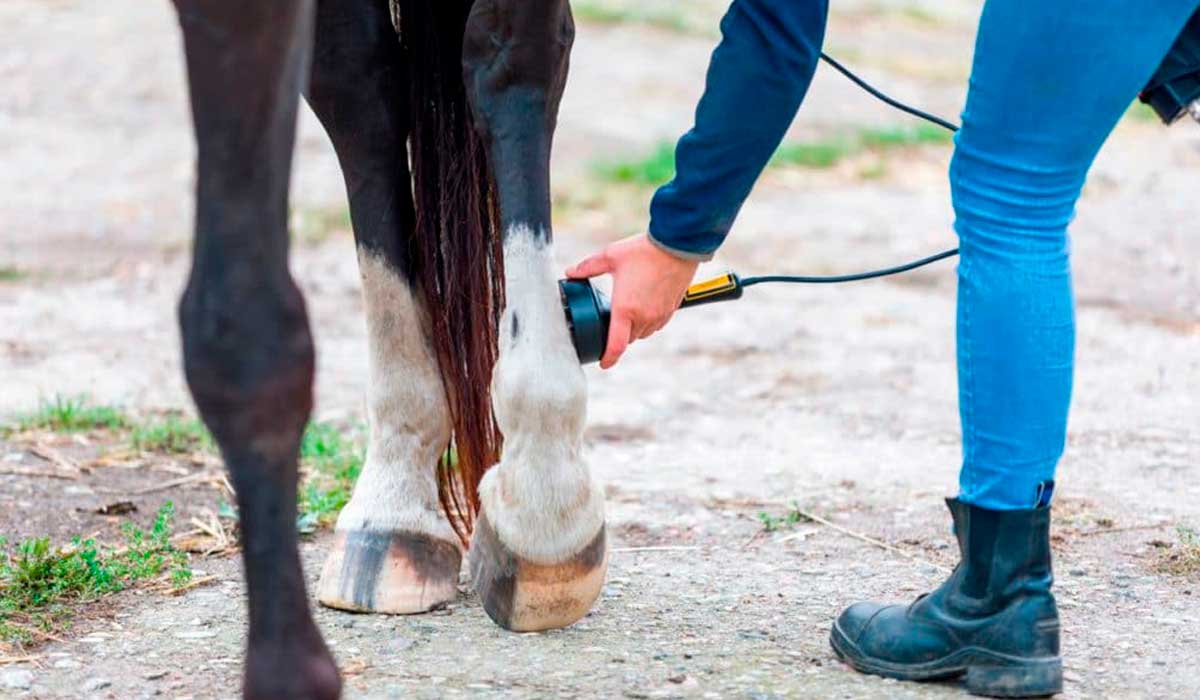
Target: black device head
[(588, 313), (589, 310)]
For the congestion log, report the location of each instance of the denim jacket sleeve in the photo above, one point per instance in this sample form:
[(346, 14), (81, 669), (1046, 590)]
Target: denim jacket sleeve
[(757, 79)]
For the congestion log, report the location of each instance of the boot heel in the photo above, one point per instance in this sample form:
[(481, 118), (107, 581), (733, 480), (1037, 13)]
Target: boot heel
[(1033, 678)]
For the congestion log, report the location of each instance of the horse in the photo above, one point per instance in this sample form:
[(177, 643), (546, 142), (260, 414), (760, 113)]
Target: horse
[(442, 115)]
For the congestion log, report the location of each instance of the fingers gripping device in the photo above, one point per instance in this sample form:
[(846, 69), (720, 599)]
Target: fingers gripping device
[(588, 309)]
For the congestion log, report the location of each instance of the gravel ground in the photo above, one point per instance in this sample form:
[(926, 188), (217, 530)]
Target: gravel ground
[(842, 400)]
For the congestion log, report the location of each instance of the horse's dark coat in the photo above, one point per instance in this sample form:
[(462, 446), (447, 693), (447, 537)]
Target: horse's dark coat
[(358, 91), (516, 55), (248, 351)]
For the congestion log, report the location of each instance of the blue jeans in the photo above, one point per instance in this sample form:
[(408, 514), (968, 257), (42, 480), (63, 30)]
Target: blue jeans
[(1050, 81)]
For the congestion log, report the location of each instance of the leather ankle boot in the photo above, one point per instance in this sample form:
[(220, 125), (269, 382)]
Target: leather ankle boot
[(994, 620)]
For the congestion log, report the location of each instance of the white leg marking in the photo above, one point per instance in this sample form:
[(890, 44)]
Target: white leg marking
[(541, 498), (409, 418)]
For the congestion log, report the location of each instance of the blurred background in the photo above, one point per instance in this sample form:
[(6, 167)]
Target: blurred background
[(721, 430)]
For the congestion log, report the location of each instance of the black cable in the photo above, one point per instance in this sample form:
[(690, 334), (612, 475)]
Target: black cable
[(836, 279), (933, 119), (873, 274)]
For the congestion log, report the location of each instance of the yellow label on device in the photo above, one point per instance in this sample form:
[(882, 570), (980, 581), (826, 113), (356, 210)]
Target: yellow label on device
[(712, 287)]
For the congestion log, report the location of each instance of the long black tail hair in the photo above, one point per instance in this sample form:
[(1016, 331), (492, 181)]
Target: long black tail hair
[(457, 247)]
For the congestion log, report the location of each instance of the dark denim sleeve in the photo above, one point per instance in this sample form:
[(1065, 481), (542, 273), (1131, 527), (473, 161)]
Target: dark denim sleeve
[(756, 81)]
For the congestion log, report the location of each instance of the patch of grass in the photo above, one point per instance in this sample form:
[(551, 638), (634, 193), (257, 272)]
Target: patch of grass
[(331, 462), (874, 171), (651, 170), (658, 167), (774, 523), (330, 459), (72, 414), (1141, 112), (826, 153), (172, 434), (920, 134), (39, 582), (668, 18), (313, 226), (920, 15), (12, 273), (1183, 557), (816, 154)]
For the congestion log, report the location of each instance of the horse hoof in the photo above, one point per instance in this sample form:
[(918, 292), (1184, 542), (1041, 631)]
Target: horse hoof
[(525, 596), (394, 573)]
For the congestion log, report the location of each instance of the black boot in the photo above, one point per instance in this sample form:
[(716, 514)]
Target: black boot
[(994, 619)]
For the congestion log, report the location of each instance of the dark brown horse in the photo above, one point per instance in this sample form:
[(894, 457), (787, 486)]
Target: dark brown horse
[(442, 114)]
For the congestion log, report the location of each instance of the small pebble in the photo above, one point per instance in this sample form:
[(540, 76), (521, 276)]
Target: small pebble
[(19, 679), (96, 684)]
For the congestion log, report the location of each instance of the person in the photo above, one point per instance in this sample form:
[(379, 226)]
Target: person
[(1049, 82)]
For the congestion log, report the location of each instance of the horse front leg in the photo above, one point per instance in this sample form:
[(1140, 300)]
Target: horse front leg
[(248, 353), (539, 555)]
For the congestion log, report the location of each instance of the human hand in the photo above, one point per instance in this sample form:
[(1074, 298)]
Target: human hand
[(648, 286)]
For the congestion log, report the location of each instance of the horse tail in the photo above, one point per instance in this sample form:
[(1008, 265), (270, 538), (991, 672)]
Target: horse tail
[(457, 249)]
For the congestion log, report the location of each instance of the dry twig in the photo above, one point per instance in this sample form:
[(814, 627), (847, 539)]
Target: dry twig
[(680, 548), (174, 483), (1131, 528), (167, 485), (863, 538), (194, 583), (209, 536), (37, 472), (53, 456)]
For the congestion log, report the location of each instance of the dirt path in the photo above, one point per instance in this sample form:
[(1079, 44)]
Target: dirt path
[(842, 400)]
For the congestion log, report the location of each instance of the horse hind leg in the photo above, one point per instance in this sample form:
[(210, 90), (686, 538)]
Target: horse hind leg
[(539, 553), (248, 353), (394, 551)]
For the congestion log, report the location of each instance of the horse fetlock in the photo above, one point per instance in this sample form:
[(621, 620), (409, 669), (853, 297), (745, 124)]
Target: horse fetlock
[(543, 503)]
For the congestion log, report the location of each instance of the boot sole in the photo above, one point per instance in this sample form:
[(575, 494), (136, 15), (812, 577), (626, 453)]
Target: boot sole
[(988, 673)]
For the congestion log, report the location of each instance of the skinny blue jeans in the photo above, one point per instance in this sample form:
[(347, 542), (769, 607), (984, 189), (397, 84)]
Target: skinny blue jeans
[(1050, 81)]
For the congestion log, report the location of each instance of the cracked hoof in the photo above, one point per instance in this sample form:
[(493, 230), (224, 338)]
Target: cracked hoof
[(525, 596), (394, 573)]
